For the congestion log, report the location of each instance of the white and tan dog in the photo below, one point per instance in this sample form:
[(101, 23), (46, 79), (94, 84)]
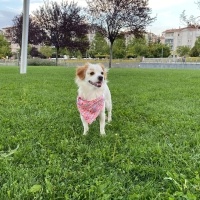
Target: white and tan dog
[(93, 95)]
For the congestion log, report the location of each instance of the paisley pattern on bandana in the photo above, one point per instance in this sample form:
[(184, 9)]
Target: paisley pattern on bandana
[(90, 109)]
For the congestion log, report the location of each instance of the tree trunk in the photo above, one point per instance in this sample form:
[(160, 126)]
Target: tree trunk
[(111, 54), (57, 49)]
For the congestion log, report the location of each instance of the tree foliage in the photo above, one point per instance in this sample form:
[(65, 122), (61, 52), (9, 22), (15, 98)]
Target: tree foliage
[(195, 51), (183, 50), (113, 16), (35, 36), (46, 51), (190, 21), (5, 49), (137, 47), (34, 52), (158, 50), (63, 24), (119, 47), (99, 47)]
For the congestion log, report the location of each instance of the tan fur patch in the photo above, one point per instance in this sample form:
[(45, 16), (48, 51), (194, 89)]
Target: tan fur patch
[(80, 71)]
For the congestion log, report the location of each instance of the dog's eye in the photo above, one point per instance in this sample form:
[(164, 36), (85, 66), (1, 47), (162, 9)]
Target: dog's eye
[(102, 73), (91, 73)]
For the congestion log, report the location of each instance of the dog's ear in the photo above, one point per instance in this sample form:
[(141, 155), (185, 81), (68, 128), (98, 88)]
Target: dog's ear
[(105, 70), (80, 71)]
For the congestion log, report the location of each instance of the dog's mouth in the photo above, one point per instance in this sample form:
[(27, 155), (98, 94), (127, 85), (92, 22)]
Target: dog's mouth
[(96, 84)]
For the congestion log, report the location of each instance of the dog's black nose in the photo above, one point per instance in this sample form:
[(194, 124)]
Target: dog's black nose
[(100, 78)]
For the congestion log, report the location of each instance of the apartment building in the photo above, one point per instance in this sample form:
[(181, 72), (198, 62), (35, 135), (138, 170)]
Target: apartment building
[(150, 37), (180, 37)]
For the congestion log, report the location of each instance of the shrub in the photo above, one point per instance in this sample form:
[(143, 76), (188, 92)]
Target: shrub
[(40, 62), (101, 56), (131, 56)]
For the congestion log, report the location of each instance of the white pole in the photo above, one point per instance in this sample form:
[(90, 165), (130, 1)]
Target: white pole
[(23, 65)]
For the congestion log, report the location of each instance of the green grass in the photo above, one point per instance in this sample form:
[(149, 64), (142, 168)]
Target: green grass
[(151, 151)]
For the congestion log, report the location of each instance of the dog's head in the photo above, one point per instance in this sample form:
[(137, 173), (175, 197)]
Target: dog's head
[(91, 74)]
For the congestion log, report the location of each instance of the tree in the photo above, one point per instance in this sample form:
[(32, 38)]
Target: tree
[(5, 49), (195, 51), (158, 50), (119, 47), (34, 52), (190, 21), (183, 50), (111, 16), (64, 25), (99, 46), (46, 51), (36, 35), (137, 47)]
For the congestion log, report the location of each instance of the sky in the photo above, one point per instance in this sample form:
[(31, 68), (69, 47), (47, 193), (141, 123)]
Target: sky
[(167, 12)]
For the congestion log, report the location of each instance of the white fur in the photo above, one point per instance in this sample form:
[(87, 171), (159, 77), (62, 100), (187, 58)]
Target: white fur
[(86, 75)]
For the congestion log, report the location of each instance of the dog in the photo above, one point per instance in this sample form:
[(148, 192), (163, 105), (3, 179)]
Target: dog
[(94, 97)]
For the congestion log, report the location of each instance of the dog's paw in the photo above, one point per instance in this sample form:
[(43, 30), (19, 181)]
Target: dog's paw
[(85, 132), (103, 134)]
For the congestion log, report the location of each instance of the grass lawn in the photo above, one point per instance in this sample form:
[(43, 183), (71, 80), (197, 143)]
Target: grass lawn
[(151, 151)]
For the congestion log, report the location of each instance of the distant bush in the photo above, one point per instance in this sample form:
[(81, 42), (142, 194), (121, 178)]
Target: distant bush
[(40, 62), (193, 59), (131, 56), (102, 56)]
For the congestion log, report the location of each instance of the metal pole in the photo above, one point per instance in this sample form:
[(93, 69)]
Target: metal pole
[(23, 65)]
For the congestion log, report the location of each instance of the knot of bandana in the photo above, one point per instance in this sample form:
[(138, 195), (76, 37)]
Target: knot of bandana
[(90, 109)]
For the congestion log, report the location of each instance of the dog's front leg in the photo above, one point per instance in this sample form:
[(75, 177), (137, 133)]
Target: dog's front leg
[(108, 105), (102, 118), (85, 126), (110, 114)]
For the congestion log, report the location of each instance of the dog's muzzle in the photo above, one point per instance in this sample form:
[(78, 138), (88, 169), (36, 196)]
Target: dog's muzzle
[(98, 83)]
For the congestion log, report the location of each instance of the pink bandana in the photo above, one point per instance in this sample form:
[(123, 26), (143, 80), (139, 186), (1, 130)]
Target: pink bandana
[(90, 109)]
